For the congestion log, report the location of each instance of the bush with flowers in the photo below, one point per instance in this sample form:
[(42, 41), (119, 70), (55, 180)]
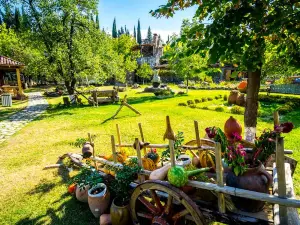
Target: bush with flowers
[(233, 151)]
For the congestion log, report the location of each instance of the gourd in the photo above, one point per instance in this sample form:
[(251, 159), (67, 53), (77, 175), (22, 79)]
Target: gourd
[(232, 126), (148, 164), (242, 87), (121, 157), (178, 177), (196, 161), (72, 188), (152, 154), (207, 159), (160, 174)]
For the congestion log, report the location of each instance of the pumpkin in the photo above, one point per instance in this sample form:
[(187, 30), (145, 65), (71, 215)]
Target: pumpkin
[(148, 164), (152, 154), (207, 159), (72, 188), (178, 177), (242, 87), (232, 126), (121, 157)]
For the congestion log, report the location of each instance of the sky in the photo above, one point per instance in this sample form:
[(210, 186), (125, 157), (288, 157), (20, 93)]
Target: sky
[(127, 12)]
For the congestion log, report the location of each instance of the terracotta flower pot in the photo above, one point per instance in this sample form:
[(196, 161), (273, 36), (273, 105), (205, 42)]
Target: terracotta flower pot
[(233, 97), (120, 215), (254, 179), (82, 195), (98, 203)]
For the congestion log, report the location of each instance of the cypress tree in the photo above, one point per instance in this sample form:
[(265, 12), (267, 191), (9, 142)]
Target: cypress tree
[(134, 33), (92, 17), (168, 41), (114, 29), (122, 31), (149, 35), (97, 21), (139, 34), (25, 20), (17, 19)]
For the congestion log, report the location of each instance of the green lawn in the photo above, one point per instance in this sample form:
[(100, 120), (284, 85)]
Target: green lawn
[(31, 195)]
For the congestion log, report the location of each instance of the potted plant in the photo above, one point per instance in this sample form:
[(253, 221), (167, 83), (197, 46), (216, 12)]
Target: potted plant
[(120, 187), (247, 171), (98, 199)]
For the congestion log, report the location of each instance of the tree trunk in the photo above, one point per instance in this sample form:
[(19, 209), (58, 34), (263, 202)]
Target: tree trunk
[(250, 116), (187, 86), (70, 86)]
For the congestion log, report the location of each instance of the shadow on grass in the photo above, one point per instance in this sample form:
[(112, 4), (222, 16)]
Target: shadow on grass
[(44, 187), (70, 211)]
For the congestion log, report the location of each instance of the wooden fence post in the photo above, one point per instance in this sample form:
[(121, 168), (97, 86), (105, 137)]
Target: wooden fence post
[(93, 146), (113, 146), (119, 137), (281, 178), (140, 162), (142, 137), (198, 140), (276, 118), (219, 172)]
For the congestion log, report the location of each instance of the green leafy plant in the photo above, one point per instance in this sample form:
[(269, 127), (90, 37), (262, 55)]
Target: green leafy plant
[(165, 155), (79, 142), (237, 110), (87, 176), (120, 186), (219, 109)]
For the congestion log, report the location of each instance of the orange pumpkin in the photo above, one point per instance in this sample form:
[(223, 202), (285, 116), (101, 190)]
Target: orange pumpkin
[(72, 188), (242, 87)]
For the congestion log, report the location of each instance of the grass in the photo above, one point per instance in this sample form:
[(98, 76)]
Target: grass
[(31, 195), (17, 105)]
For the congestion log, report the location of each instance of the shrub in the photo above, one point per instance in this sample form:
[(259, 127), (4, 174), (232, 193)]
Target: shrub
[(182, 104), (219, 109), (190, 102), (164, 93), (237, 110), (204, 99), (180, 93), (205, 107), (209, 99), (193, 106), (197, 101), (225, 98), (216, 97), (285, 109)]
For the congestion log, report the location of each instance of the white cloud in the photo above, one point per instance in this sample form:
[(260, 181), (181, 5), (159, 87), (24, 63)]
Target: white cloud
[(163, 33)]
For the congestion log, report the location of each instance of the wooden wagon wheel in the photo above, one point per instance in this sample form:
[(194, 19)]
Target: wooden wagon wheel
[(158, 202)]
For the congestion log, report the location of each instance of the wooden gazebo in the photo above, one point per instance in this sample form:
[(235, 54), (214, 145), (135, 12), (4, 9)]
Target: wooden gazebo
[(9, 65)]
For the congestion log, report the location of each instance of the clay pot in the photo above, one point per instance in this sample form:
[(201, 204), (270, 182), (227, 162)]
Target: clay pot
[(105, 219), (254, 179), (87, 150), (82, 195), (233, 97), (232, 126), (120, 215), (98, 203), (241, 100)]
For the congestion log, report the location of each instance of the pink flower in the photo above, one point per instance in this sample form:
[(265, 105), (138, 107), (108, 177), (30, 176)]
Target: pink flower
[(236, 136)]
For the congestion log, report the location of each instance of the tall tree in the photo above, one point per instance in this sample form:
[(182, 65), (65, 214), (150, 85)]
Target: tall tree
[(149, 35), (244, 26), (97, 21), (114, 29), (139, 34), (122, 31), (134, 33), (17, 19), (25, 20)]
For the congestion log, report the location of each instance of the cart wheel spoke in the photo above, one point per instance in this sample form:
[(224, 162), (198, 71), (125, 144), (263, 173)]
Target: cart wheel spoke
[(180, 214), (148, 205), (169, 205), (157, 201), (145, 215)]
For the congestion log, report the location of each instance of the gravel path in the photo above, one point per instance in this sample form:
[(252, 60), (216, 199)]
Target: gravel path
[(37, 105)]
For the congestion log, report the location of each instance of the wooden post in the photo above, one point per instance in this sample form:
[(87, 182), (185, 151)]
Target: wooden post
[(93, 145), (140, 162), (19, 81), (198, 140), (113, 146), (119, 137), (142, 136), (220, 182), (281, 178), (276, 118), (172, 152)]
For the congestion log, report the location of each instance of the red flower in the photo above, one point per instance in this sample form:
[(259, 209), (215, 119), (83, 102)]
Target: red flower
[(284, 127), (211, 132)]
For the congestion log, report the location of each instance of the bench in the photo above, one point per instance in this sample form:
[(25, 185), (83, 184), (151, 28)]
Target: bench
[(103, 96)]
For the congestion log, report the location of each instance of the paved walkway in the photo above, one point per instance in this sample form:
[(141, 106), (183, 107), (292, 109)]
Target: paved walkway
[(37, 104)]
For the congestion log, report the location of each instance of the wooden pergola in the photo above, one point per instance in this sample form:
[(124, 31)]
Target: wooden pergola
[(8, 65)]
